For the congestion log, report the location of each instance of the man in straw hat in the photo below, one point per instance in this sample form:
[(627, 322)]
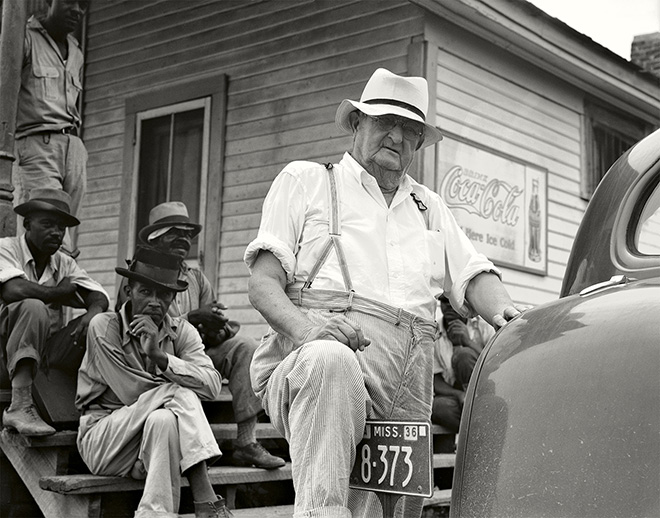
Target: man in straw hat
[(171, 231), (346, 268), (36, 282), (139, 390)]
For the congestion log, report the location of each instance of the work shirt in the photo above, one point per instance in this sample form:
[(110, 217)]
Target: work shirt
[(50, 86), (106, 385), (394, 256), (16, 261)]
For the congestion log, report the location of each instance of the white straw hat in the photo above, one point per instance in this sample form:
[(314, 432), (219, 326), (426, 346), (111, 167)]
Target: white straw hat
[(389, 94)]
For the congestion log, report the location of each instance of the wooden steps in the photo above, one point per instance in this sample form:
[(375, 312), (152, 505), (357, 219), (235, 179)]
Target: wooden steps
[(43, 465), (220, 475)]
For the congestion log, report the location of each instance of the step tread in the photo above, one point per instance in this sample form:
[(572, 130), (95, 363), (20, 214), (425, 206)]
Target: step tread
[(441, 497), (219, 475)]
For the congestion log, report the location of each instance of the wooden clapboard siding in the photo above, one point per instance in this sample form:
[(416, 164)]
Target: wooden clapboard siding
[(496, 100), (288, 64)]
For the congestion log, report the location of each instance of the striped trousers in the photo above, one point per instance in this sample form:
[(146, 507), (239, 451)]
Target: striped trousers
[(320, 395)]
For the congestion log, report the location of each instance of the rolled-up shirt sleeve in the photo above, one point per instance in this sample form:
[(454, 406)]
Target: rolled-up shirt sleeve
[(281, 223), (10, 265), (79, 277)]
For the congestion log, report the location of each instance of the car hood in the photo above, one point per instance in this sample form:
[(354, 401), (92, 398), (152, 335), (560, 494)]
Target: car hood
[(564, 416)]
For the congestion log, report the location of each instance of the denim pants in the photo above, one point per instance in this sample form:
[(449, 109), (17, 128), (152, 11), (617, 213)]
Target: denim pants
[(165, 428), (320, 395)]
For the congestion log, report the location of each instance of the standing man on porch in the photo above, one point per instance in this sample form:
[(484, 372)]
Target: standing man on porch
[(346, 268), (48, 150)]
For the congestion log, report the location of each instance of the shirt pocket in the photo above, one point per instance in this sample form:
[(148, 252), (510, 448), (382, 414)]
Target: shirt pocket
[(47, 79), (435, 249)]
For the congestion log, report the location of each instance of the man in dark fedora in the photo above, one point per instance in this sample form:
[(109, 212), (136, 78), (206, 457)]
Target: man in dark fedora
[(36, 282), (171, 231), (346, 268), (139, 390)]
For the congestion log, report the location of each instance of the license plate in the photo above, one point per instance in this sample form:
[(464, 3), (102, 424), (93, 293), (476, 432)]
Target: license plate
[(394, 457)]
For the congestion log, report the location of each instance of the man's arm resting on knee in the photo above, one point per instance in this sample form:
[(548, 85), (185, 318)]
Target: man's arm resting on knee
[(489, 298), (17, 289), (266, 292)]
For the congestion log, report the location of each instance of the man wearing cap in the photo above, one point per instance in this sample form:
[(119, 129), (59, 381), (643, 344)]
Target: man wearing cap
[(139, 390), (49, 153), (171, 231), (346, 268), (36, 282)]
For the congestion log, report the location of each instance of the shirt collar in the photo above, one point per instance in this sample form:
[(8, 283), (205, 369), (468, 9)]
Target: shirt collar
[(28, 257), (356, 171)]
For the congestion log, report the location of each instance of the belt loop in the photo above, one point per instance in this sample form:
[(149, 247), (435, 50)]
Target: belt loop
[(399, 315), (300, 297), (350, 300)]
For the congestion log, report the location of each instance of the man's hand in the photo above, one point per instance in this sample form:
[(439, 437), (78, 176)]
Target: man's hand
[(208, 319), (338, 328), (146, 330), (508, 313)]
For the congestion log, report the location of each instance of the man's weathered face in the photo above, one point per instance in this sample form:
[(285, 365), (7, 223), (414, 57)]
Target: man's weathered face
[(392, 149), (149, 299), (67, 14), (44, 231), (175, 241)]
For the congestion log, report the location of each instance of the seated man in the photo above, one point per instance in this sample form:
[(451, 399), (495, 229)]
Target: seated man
[(36, 282), (139, 390), (457, 351), (171, 231)]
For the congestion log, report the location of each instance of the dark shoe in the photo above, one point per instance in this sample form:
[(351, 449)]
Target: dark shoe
[(216, 509), (26, 421), (256, 455)]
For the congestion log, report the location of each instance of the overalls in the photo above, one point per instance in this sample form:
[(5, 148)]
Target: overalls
[(321, 393)]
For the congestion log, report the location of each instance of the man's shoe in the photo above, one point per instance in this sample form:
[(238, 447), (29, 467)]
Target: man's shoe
[(216, 509), (26, 421), (255, 454)]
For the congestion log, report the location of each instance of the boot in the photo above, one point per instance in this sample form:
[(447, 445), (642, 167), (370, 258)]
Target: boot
[(22, 415), (216, 509)]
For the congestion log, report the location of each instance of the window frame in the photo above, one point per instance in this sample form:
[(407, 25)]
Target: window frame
[(164, 98), (608, 118)]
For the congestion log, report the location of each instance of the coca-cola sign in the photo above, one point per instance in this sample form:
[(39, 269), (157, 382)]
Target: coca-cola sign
[(499, 202)]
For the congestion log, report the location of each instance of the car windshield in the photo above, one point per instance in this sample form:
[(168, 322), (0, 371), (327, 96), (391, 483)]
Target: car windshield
[(647, 238)]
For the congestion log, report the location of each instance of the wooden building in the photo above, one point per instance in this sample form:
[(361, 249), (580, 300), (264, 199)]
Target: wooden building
[(207, 100)]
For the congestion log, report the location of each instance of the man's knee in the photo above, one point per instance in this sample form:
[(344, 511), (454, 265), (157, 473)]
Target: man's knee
[(159, 422), (35, 308), (330, 359), (464, 357)]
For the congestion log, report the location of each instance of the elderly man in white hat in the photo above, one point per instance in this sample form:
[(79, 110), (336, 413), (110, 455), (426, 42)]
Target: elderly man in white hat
[(171, 231), (346, 268), (36, 281)]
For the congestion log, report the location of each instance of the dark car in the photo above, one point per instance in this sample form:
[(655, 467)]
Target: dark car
[(562, 417)]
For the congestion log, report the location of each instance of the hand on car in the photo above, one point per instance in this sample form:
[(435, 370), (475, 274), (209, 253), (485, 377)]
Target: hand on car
[(341, 329), (508, 313)]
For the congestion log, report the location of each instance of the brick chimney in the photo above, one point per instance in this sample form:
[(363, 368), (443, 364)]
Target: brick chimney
[(645, 52)]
